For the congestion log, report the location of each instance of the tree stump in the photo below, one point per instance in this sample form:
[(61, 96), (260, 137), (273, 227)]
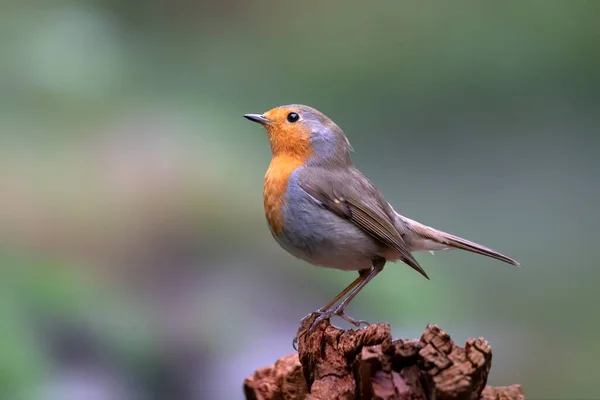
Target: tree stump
[(368, 364)]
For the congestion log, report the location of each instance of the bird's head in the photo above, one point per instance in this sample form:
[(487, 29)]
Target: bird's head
[(301, 131)]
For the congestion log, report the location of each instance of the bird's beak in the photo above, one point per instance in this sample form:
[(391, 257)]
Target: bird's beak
[(261, 119)]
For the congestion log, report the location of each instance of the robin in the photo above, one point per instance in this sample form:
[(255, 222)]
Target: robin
[(320, 208)]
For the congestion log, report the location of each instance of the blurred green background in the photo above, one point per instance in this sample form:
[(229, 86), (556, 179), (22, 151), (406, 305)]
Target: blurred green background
[(135, 260)]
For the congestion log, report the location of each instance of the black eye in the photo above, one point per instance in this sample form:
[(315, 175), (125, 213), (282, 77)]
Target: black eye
[(293, 117)]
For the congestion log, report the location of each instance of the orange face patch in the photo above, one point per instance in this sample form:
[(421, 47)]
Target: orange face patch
[(288, 138), (290, 145)]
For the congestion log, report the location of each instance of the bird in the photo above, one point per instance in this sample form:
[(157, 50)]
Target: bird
[(321, 209)]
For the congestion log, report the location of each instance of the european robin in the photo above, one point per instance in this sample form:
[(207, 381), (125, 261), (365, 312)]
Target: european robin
[(320, 208)]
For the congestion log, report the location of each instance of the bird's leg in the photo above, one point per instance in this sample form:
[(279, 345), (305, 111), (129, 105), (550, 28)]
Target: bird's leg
[(339, 310), (362, 275)]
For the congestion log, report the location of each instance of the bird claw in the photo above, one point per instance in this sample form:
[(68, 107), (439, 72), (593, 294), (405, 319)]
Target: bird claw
[(320, 316), (304, 321), (356, 322)]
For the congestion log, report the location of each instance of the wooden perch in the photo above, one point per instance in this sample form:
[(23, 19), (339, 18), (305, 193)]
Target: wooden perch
[(367, 364)]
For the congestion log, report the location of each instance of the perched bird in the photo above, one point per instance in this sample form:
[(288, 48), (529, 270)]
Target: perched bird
[(322, 209)]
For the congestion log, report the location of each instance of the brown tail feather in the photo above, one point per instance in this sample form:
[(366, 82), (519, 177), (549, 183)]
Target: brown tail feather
[(444, 240), (467, 245)]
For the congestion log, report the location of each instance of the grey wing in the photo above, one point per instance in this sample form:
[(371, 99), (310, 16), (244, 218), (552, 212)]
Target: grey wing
[(350, 195)]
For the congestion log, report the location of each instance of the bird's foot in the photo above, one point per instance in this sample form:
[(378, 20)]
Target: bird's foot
[(356, 322), (307, 320), (320, 316)]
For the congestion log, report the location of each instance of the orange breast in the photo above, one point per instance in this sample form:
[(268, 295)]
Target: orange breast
[(275, 186)]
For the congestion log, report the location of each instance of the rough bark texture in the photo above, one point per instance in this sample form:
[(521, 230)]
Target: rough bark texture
[(367, 364)]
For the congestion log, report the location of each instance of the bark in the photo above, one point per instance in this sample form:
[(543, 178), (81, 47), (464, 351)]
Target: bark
[(368, 364)]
